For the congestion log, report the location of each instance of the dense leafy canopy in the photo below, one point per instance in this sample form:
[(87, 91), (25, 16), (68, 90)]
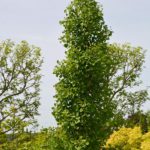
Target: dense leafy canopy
[(93, 77), (84, 25), (82, 91)]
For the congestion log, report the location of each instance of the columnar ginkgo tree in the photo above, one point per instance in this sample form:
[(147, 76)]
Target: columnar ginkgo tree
[(91, 76)]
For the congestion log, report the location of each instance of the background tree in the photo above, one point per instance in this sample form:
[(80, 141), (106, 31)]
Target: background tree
[(93, 78), (132, 108), (138, 119), (148, 119), (19, 85), (133, 101), (126, 67)]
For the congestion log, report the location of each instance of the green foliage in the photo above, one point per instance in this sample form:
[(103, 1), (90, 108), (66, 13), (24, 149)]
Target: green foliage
[(82, 93), (147, 114), (84, 25), (139, 119), (19, 89), (27, 141), (19, 142), (93, 78), (57, 140), (126, 67), (46, 139), (135, 100), (91, 94), (92, 86)]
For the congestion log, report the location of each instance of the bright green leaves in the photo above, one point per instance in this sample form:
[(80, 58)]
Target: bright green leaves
[(92, 86), (93, 77), (82, 93), (84, 25)]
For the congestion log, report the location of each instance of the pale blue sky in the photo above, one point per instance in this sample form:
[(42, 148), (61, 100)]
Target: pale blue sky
[(37, 21)]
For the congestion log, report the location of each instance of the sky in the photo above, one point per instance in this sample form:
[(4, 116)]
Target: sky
[(37, 21)]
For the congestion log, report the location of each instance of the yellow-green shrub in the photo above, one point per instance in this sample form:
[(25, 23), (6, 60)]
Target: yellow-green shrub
[(125, 139), (145, 145)]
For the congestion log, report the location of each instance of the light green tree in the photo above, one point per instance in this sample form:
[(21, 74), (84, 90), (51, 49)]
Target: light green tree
[(19, 85)]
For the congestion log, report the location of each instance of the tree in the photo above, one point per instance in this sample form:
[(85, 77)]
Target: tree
[(134, 100), (19, 85), (138, 119), (131, 106), (127, 65), (93, 76), (148, 118), (131, 102), (80, 94)]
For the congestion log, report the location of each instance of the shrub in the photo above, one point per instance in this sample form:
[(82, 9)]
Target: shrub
[(125, 139)]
